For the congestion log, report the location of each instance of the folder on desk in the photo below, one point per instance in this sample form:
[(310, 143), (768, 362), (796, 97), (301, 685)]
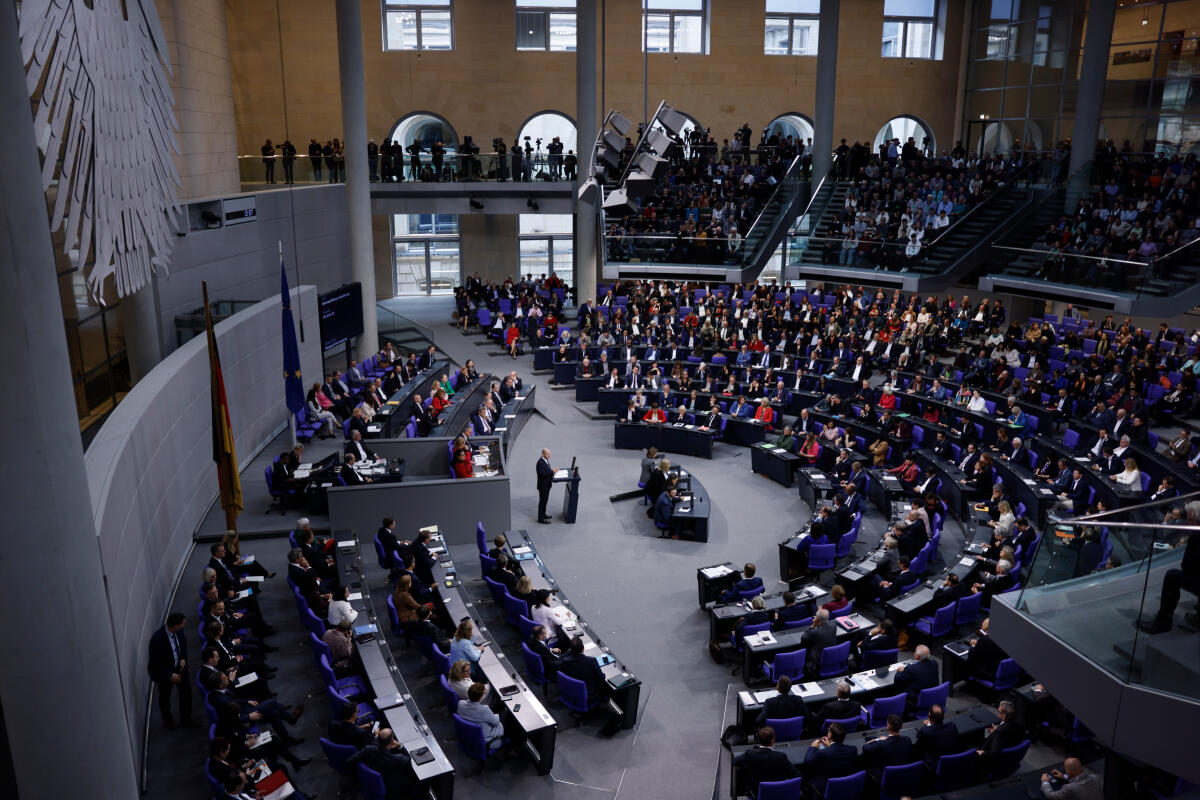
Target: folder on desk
[(363, 630), (389, 701), (275, 787)]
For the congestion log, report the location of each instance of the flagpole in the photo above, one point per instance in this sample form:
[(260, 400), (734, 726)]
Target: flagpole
[(292, 417)]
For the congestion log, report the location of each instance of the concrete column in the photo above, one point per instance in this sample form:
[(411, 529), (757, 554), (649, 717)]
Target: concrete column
[(358, 184), (59, 680), (140, 325), (1090, 95), (826, 90), (587, 260)]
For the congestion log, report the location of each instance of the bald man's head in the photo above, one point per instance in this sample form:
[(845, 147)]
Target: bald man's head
[(922, 652), (1073, 767)]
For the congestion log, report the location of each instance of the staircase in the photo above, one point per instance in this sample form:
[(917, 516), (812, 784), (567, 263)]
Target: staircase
[(943, 262)]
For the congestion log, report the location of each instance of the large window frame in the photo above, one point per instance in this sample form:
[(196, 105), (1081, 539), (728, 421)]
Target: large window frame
[(903, 39), (795, 16), (428, 236), (549, 13), (675, 11), (565, 249), (422, 9)]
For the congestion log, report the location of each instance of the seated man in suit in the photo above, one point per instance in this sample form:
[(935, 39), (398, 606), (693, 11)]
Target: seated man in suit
[(890, 750), (539, 643), (664, 511), (709, 420), (576, 664), (425, 422), (784, 705), (991, 584), (951, 590), (894, 584), (985, 655), (387, 757), (1003, 735), (423, 625), (762, 763), (936, 738), (881, 637), (791, 612), (757, 616), (349, 474), (503, 573), (358, 448), (1073, 783), (822, 634), (348, 731), (829, 757), (918, 676), (747, 582)]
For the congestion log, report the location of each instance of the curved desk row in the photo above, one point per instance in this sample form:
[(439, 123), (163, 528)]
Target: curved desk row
[(668, 437), (391, 419), (625, 687), (397, 709), (514, 700)]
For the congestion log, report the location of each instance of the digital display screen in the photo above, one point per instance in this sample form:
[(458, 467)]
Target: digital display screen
[(341, 315)]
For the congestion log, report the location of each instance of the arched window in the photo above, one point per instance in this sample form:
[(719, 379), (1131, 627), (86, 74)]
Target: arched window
[(426, 127), (798, 126), (997, 137), (545, 125), (902, 128)]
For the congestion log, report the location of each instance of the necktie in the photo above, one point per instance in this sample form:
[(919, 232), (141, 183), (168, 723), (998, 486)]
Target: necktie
[(174, 649)]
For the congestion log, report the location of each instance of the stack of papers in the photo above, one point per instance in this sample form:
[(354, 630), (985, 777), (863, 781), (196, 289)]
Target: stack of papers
[(967, 562), (808, 689), (715, 572)]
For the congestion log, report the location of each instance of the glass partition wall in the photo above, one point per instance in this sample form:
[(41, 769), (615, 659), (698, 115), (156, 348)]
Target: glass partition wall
[(1092, 578)]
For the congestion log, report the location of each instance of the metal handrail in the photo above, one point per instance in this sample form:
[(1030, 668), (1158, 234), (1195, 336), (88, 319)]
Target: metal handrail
[(1072, 255), (762, 210), (1011, 184)]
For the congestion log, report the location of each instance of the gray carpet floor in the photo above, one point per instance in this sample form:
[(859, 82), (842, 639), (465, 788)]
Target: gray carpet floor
[(637, 591)]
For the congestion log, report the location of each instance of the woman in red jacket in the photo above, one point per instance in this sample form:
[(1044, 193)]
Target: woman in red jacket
[(463, 467)]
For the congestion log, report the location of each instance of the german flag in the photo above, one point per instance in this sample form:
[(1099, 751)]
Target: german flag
[(224, 453)]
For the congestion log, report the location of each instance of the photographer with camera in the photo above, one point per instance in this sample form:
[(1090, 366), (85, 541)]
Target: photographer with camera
[(527, 165), (414, 158), (555, 148), (470, 165), (501, 158), (437, 153)]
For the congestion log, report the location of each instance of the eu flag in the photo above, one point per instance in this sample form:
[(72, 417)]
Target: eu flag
[(293, 387)]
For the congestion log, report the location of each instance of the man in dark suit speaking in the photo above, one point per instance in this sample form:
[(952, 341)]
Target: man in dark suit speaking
[(545, 479), (168, 669)]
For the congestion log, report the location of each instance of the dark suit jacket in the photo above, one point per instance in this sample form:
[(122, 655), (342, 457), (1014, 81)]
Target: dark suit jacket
[(783, 706), (880, 641), (352, 449), (584, 668), (815, 640), (790, 614), (835, 761), (342, 732), (545, 475), (162, 662), (1006, 735), (389, 541), (890, 751), (917, 676), (394, 765), (839, 709), (935, 741), (549, 660), (505, 577), (985, 656), (763, 764)]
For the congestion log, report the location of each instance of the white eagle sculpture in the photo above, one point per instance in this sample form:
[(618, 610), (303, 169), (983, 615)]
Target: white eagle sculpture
[(98, 74)]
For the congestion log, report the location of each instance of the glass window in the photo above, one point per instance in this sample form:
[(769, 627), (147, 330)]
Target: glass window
[(427, 252), (794, 6), (675, 26), (794, 34), (908, 28), (418, 25), (546, 244), (546, 25)]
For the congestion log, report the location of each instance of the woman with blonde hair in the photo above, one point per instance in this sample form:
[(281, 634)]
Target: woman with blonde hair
[(463, 648), (460, 679)]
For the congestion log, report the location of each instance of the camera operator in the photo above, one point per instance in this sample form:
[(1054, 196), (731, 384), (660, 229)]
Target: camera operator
[(501, 158), (527, 167), (555, 149), (470, 165), (289, 160), (517, 173), (438, 153), (268, 156), (414, 159)]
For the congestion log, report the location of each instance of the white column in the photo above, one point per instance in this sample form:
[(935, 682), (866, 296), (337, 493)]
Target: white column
[(826, 90), (587, 259), (60, 686), (358, 185)]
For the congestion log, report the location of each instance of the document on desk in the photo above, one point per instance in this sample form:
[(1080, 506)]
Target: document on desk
[(866, 681), (354, 596), (810, 689), (433, 529), (301, 473), (715, 572), (345, 544), (591, 649), (562, 473), (967, 561)]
